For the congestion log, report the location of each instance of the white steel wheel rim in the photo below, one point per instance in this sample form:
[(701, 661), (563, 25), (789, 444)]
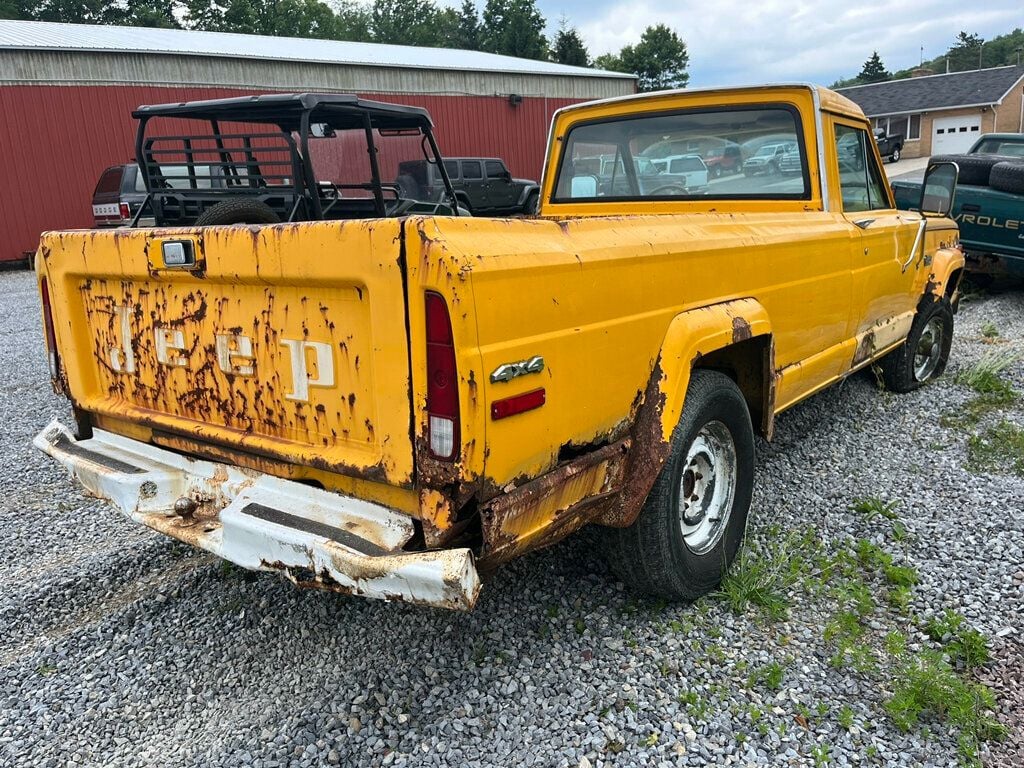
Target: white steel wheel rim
[(929, 350), (707, 487)]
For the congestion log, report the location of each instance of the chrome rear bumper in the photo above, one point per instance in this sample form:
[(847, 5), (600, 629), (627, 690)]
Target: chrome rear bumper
[(316, 538)]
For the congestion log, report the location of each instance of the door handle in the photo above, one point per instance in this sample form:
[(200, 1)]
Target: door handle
[(864, 223), (918, 242), (970, 207)]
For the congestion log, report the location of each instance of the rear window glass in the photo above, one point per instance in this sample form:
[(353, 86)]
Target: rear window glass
[(471, 170), (451, 168), (110, 181), (1000, 147), (774, 164), (683, 164)]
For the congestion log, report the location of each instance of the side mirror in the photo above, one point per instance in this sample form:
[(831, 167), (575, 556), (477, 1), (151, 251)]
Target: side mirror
[(507, 175), (938, 189)]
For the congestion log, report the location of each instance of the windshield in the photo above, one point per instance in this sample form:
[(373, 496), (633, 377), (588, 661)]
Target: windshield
[(994, 146), (757, 131)]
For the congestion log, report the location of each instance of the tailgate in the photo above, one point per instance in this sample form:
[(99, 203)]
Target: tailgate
[(286, 341)]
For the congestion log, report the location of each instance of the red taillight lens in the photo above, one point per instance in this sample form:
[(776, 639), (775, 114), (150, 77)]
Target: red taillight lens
[(51, 336), (126, 211), (442, 381)]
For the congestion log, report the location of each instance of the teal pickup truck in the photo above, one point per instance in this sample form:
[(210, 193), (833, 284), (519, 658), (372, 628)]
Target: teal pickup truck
[(989, 204)]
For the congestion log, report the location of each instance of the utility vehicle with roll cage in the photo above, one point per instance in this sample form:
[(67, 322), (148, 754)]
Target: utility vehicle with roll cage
[(282, 158)]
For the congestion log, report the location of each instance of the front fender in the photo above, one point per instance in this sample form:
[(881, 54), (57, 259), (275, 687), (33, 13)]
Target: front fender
[(526, 191), (947, 262)]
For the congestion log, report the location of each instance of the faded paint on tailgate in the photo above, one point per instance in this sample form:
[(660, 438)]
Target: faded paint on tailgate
[(259, 347)]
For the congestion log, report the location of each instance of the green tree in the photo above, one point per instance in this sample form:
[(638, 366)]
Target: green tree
[(874, 70), (466, 31), (965, 53), (609, 61), (659, 60), (405, 22), (568, 47), (15, 9), (284, 18), (514, 28)]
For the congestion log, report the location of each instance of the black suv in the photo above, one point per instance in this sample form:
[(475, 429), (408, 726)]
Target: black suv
[(121, 191), (481, 184)]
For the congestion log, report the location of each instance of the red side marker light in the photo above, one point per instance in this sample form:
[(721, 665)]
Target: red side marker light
[(510, 406)]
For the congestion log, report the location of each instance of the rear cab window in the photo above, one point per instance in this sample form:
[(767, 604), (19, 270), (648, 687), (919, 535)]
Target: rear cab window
[(110, 181), (624, 158)]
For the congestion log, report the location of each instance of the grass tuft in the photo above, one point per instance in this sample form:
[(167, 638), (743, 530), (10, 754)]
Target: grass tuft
[(872, 506), (999, 447), (983, 376)]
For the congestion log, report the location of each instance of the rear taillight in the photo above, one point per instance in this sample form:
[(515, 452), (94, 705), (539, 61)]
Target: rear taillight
[(442, 381), (126, 211), (51, 336)]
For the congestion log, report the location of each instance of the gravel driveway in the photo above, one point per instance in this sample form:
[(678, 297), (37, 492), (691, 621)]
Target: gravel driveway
[(120, 647)]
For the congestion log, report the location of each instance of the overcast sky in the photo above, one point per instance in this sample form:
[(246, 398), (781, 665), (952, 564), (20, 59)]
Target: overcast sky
[(731, 41)]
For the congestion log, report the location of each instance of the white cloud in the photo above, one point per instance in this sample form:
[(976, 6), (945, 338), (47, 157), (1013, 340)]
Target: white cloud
[(731, 41)]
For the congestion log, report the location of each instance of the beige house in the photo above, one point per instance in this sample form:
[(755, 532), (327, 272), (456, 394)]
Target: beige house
[(945, 114)]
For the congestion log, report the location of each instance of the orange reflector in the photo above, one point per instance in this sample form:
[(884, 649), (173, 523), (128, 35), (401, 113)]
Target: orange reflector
[(510, 406)]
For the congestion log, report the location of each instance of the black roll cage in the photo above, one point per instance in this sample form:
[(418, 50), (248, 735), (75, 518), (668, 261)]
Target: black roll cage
[(293, 114)]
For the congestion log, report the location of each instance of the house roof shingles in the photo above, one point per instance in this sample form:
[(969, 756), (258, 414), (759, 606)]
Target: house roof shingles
[(933, 92)]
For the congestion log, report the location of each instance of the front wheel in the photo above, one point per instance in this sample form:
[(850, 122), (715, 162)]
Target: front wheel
[(924, 354), (532, 204), (693, 521)]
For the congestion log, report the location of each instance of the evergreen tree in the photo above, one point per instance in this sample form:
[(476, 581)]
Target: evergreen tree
[(659, 60), (514, 28), (568, 47), (874, 70), (965, 53)]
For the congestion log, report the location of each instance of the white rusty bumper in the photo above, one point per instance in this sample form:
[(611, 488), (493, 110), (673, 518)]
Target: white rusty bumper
[(316, 538)]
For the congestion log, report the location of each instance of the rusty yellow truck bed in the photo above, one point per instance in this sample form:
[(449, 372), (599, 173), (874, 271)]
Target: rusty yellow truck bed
[(387, 406)]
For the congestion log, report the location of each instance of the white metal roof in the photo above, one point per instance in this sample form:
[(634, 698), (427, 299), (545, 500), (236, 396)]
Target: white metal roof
[(50, 36)]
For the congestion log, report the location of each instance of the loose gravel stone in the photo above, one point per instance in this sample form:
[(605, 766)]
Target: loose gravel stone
[(124, 648)]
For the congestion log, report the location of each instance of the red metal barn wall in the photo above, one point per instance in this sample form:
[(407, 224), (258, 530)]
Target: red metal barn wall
[(55, 141)]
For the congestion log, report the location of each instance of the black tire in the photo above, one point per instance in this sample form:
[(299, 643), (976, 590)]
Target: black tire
[(651, 556), (895, 156), (1008, 177), (532, 204), (239, 211), (901, 368), (974, 169), (716, 171)]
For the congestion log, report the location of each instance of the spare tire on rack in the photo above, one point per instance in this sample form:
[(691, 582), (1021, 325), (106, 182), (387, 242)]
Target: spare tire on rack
[(974, 169), (238, 211), (1008, 177)]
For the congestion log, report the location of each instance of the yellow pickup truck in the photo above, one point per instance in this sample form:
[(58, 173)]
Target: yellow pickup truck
[(376, 396)]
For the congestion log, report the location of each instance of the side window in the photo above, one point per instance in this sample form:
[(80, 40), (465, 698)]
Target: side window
[(451, 167), (471, 169), (110, 181), (495, 170), (860, 178)]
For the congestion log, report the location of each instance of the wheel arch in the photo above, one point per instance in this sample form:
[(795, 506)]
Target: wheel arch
[(734, 338)]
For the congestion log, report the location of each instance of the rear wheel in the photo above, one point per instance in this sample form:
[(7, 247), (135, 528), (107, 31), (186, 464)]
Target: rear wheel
[(895, 157), (693, 521), (924, 354)]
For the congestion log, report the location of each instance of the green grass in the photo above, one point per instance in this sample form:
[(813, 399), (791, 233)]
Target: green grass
[(925, 685), (872, 506), (769, 676), (989, 331), (696, 707), (998, 448), (983, 376), (963, 644), (763, 580), (845, 718)]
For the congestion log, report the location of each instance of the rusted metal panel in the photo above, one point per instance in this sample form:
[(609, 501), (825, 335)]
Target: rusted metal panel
[(313, 537), (58, 139)]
